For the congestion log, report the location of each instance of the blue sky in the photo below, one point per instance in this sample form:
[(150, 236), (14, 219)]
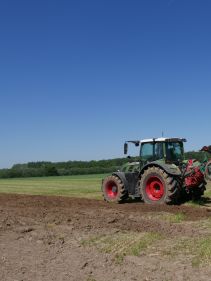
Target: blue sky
[(78, 78)]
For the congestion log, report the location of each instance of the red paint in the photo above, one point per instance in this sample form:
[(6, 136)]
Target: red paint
[(196, 178), (154, 188), (111, 189)]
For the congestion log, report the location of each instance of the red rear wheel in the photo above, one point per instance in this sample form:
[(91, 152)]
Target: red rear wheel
[(158, 187), (154, 188)]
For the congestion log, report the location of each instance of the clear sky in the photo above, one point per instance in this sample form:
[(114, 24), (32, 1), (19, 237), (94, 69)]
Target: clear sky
[(78, 77)]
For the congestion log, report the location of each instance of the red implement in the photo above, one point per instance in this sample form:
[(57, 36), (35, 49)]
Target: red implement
[(196, 178)]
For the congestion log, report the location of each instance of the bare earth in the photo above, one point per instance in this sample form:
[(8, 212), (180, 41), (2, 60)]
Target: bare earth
[(58, 238)]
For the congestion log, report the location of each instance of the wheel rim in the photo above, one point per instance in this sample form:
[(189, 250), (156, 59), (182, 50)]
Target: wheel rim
[(111, 189), (154, 188)]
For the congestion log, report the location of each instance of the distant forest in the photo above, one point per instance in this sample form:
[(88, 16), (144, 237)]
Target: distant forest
[(43, 169)]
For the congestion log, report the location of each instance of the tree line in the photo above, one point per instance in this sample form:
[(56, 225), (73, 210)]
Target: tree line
[(43, 168)]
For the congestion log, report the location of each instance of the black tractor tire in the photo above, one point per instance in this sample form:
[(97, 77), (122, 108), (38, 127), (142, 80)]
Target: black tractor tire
[(114, 190), (208, 171), (198, 192), (158, 187)]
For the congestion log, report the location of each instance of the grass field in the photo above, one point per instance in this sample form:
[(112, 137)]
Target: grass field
[(87, 186)]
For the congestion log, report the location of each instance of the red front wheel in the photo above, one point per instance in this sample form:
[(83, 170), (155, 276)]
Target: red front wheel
[(113, 189)]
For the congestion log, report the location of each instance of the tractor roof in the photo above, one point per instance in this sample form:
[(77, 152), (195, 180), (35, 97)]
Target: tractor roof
[(138, 142), (164, 140)]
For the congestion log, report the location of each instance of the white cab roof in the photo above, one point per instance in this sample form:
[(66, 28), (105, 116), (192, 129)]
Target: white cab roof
[(163, 139)]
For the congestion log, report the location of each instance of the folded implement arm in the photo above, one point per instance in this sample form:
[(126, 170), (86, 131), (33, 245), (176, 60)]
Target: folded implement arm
[(206, 149)]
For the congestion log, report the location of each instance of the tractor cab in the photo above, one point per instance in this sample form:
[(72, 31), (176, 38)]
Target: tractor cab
[(169, 150)]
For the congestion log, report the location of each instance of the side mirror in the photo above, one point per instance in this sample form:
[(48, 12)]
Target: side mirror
[(125, 147)]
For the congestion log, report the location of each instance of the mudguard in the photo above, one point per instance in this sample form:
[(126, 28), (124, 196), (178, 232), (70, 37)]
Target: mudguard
[(129, 180), (170, 169), (122, 177)]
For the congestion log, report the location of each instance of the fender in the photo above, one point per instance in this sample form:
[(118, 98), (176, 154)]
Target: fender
[(168, 168), (129, 180), (122, 177)]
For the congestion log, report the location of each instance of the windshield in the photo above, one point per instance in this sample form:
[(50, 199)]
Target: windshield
[(152, 151), (147, 153), (174, 151)]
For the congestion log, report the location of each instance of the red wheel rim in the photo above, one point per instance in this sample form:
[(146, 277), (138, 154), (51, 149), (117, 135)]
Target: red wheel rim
[(111, 189), (154, 188)]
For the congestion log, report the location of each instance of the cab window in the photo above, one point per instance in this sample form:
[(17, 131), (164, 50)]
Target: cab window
[(174, 151), (159, 151), (147, 151)]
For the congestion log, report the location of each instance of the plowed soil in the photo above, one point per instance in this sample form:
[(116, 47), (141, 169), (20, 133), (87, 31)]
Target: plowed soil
[(41, 238)]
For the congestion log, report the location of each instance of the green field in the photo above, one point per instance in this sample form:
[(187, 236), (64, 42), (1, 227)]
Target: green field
[(87, 186)]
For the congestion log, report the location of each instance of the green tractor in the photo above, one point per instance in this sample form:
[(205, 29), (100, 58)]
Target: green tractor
[(161, 175)]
